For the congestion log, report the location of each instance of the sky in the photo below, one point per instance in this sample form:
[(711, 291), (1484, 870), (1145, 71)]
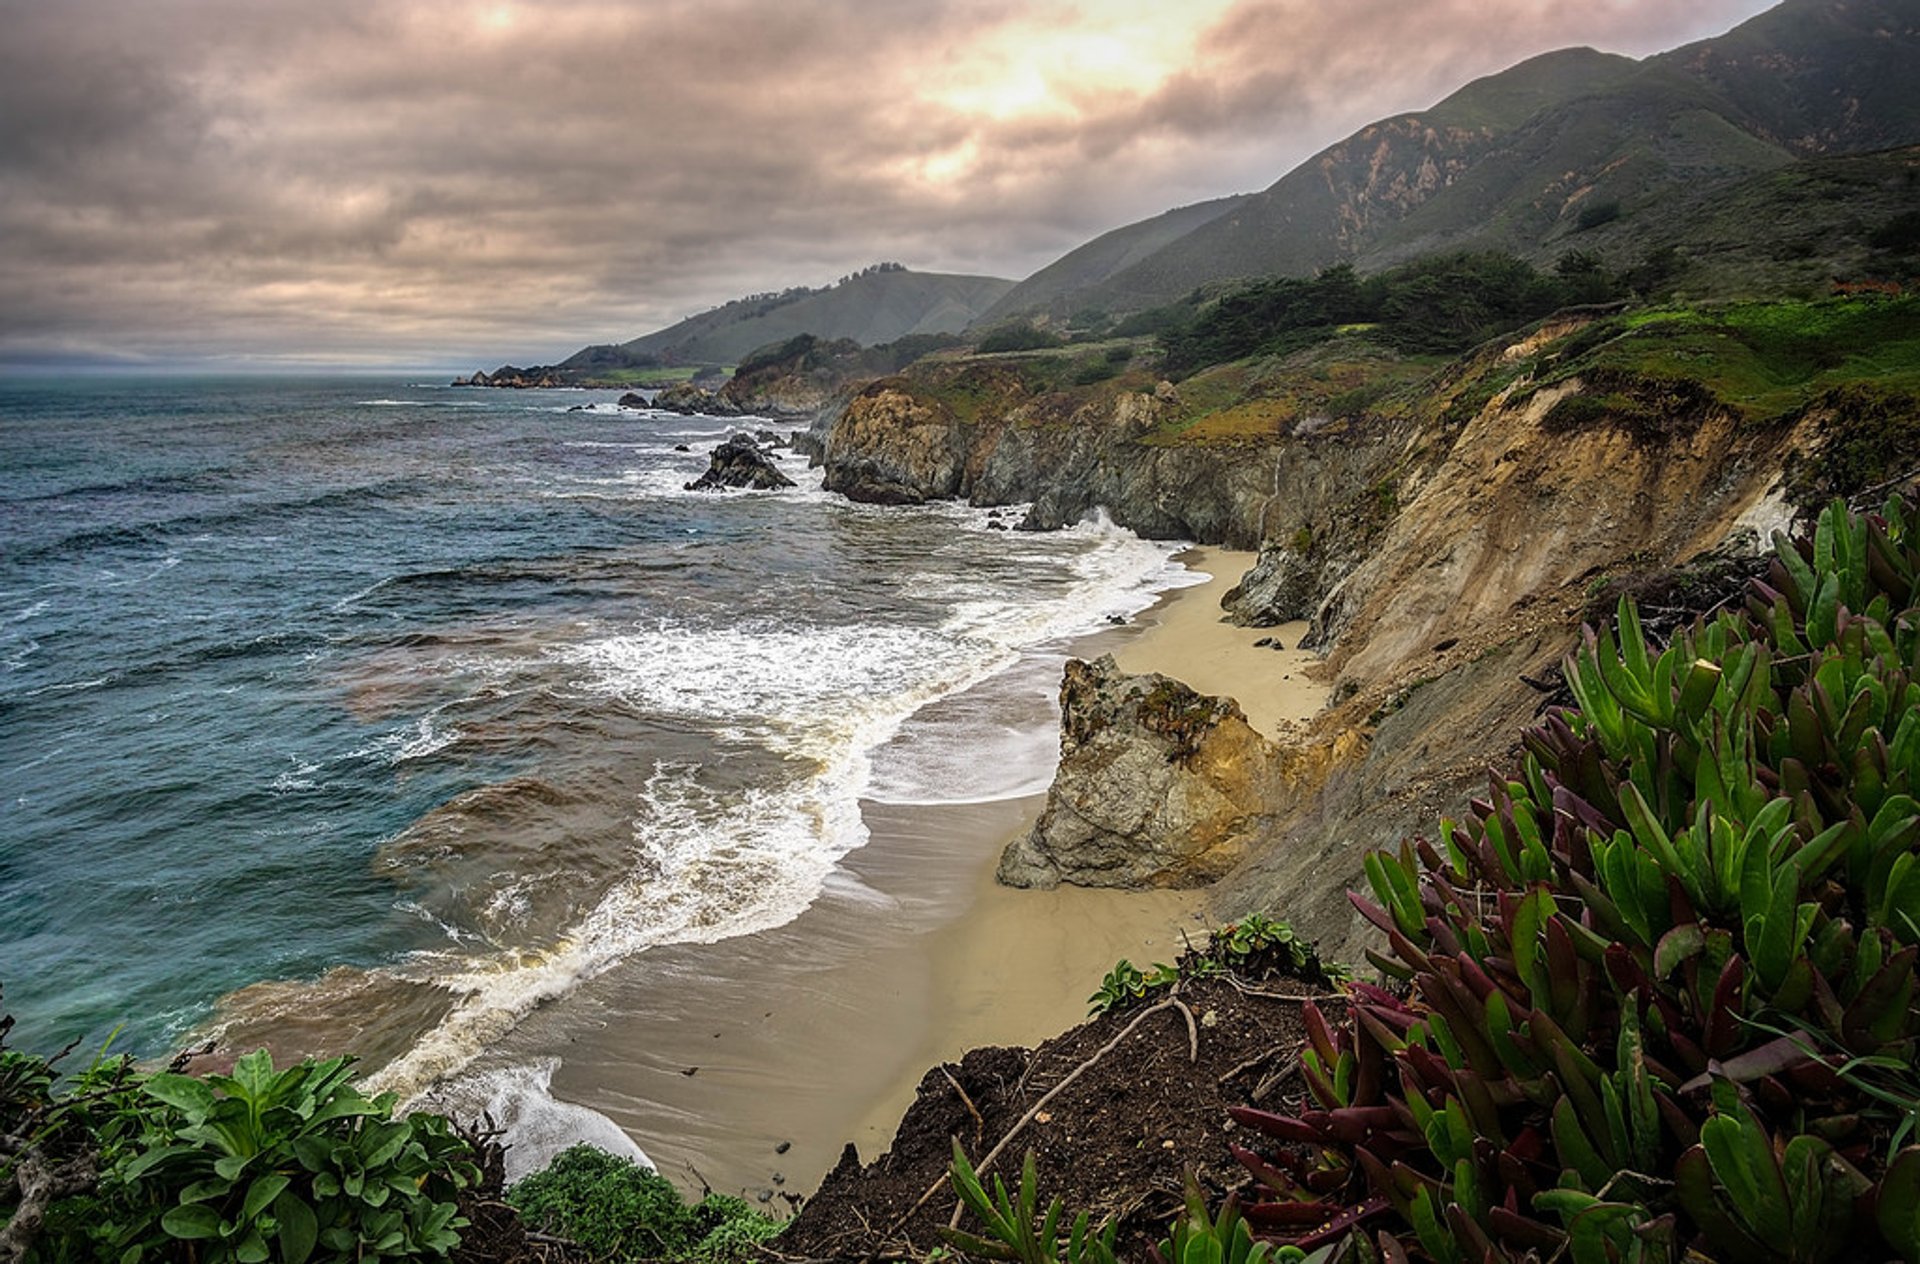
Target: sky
[(461, 183)]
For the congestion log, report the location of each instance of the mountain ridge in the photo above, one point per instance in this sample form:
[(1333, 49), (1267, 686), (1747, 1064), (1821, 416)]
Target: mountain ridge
[(1527, 158)]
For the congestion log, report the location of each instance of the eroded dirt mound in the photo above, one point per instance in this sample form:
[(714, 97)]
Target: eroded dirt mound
[(1116, 1140)]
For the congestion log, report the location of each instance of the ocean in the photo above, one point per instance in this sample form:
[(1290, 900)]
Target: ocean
[(378, 714)]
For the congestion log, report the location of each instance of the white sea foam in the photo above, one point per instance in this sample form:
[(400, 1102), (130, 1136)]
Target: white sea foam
[(395, 403), (397, 746), (713, 861), (538, 1125)]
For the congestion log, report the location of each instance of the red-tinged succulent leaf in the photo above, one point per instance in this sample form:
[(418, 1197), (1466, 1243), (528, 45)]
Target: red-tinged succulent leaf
[(1405, 951), (1724, 1029), (1880, 1011), (1387, 966), (1388, 1030), (1391, 1252), (1771, 1058), (1341, 1223), (1370, 1069), (1377, 997), (1568, 979), (1264, 1172), (1291, 1215), (1381, 919), (1624, 969), (1355, 1125), (1319, 1087), (1319, 1034), (1469, 1234), (1522, 1231), (1285, 1127)]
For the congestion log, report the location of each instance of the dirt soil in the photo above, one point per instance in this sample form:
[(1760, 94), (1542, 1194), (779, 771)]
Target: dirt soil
[(1115, 1141)]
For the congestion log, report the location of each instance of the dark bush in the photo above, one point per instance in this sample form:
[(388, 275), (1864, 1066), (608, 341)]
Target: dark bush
[(1017, 337)]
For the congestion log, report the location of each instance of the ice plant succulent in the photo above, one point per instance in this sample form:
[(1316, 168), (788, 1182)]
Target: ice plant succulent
[(1659, 985)]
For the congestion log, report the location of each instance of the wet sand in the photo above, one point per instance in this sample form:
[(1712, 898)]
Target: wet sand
[(746, 1065)]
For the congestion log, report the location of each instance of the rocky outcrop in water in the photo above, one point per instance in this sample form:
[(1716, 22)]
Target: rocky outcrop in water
[(740, 462), (1158, 786), (690, 400)]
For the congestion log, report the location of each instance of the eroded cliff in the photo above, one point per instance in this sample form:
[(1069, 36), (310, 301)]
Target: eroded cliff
[(1446, 527)]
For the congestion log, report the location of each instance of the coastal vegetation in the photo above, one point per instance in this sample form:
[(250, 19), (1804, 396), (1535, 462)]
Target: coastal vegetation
[(290, 1165), (620, 1212), (1653, 997)]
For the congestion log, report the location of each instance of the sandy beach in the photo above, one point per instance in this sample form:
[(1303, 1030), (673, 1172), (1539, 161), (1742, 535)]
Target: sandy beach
[(747, 1065), (1184, 637)]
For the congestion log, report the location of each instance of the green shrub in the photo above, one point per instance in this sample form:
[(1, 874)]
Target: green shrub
[(1660, 984), (1255, 947), (1099, 369), (1599, 213), (620, 1211), (290, 1165), (1012, 1227), (1019, 336), (1900, 235)]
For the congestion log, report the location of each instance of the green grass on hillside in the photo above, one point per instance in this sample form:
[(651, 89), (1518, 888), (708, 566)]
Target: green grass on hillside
[(1267, 397), (1763, 360)]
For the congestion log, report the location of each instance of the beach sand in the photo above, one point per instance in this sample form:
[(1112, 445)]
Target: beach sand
[(1185, 638), (746, 1065)]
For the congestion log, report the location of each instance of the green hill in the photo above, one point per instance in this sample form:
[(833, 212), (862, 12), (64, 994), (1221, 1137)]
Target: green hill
[(878, 305), (1079, 270), (1571, 150)]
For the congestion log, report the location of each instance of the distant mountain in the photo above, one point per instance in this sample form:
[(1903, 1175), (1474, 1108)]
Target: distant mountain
[(879, 305), (1105, 255), (1533, 159)]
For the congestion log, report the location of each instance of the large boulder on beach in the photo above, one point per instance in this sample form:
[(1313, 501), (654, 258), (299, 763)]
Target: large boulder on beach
[(1158, 786), (740, 462)]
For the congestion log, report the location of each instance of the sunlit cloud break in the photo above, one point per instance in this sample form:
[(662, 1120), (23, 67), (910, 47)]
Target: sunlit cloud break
[(454, 182)]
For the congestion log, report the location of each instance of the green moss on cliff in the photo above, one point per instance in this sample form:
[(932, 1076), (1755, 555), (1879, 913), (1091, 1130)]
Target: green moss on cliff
[(1763, 361)]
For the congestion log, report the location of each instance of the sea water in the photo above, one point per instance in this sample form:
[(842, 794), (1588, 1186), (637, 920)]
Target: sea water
[(352, 713)]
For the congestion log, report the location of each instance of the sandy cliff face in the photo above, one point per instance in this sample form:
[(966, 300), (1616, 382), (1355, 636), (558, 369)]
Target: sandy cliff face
[(1446, 549), (1478, 586)]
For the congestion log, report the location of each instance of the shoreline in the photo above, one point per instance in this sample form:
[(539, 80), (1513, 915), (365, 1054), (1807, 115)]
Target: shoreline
[(749, 1064), (1184, 636)]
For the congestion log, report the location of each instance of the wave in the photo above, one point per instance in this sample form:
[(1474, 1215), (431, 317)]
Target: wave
[(520, 1101), (711, 860)]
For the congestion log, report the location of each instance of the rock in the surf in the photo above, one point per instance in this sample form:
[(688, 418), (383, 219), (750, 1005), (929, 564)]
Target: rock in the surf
[(740, 462)]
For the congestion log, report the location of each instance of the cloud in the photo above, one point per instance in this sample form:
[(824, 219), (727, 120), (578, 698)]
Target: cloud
[(465, 181)]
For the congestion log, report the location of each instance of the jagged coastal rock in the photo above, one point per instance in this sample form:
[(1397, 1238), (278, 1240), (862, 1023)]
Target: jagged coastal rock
[(740, 462), (688, 399), (1158, 786)]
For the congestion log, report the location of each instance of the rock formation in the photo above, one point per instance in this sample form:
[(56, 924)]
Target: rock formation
[(740, 462), (688, 399), (1158, 786)]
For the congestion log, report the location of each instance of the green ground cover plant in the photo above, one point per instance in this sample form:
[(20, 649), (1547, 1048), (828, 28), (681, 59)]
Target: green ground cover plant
[(619, 1212), (290, 1165), (1654, 998)]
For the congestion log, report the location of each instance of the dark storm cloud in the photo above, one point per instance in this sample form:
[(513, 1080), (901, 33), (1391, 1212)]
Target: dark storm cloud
[(472, 180)]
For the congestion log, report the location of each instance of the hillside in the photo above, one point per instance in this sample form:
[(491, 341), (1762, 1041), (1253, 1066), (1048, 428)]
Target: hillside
[(1532, 158), (1053, 287), (877, 306)]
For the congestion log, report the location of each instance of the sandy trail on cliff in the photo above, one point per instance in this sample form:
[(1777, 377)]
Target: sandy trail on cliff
[(1184, 637)]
